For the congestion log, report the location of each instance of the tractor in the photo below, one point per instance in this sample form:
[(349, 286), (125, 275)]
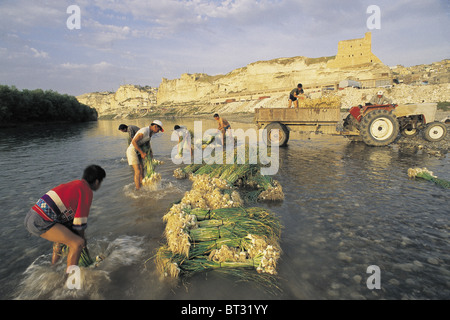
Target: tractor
[(379, 125), (375, 125)]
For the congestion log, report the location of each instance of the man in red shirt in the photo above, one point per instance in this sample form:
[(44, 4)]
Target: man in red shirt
[(60, 215)]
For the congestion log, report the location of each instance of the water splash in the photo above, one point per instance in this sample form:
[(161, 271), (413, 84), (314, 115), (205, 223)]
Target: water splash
[(154, 191), (45, 281)]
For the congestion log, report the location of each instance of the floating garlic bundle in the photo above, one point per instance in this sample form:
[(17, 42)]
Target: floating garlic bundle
[(412, 173), (429, 176)]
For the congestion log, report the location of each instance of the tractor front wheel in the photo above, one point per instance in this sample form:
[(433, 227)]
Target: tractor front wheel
[(435, 131), (379, 128)]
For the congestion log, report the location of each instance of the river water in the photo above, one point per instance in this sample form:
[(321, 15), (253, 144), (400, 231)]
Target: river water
[(347, 207)]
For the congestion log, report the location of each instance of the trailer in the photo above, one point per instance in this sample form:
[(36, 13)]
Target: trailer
[(375, 125)]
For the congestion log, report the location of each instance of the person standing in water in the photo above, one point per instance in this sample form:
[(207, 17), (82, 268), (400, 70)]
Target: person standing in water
[(61, 215), (130, 129), (142, 137), (224, 126)]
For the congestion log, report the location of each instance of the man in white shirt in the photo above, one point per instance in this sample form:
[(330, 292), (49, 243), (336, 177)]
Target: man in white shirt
[(136, 147), (184, 140)]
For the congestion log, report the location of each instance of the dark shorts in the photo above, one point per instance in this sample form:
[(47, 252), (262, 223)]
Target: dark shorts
[(291, 97), (36, 225), (227, 127)]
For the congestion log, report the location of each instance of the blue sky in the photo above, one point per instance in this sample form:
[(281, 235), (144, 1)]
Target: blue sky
[(142, 41)]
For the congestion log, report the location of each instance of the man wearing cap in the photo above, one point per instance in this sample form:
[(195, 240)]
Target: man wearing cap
[(380, 99), (136, 147)]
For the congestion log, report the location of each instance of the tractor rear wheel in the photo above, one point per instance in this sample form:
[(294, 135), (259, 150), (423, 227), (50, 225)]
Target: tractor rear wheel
[(435, 131), (379, 128), (276, 132)]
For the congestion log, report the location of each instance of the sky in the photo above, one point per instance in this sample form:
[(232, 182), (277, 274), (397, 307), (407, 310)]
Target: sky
[(104, 44)]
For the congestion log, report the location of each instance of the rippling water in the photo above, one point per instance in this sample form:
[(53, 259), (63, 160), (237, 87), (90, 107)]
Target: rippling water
[(347, 207)]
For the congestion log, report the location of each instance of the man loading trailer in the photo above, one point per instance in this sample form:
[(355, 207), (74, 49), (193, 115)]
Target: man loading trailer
[(295, 95)]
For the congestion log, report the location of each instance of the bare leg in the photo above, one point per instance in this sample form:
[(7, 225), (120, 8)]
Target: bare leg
[(138, 175), (60, 234), (223, 137), (141, 170), (57, 249)]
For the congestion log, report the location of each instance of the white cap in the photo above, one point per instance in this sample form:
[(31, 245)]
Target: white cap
[(380, 93), (159, 123)]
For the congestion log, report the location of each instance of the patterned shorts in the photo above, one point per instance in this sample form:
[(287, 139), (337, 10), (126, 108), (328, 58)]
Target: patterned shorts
[(36, 225)]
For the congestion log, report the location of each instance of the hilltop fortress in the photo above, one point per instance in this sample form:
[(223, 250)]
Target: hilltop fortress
[(259, 83)]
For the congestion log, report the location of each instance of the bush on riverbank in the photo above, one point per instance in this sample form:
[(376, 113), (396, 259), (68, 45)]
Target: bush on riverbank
[(41, 106)]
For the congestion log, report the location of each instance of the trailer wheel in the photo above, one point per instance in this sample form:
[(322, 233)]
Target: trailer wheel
[(276, 132), (379, 128), (435, 131)]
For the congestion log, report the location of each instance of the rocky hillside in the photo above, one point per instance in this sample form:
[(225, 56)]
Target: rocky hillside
[(261, 84), (127, 99), (263, 78)]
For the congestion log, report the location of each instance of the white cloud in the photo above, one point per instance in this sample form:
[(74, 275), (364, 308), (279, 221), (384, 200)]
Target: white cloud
[(82, 66), (23, 15), (39, 54)]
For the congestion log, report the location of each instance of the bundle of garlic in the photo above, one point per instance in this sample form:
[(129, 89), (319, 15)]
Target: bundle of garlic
[(329, 101), (272, 193), (179, 174), (151, 176), (257, 186), (211, 193), (425, 174), (210, 229), (266, 254), (235, 241), (178, 223)]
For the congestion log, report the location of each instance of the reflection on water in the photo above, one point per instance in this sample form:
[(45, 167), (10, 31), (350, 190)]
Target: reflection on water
[(347, 207)]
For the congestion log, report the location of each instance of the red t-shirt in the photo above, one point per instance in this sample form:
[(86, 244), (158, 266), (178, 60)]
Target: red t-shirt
[(68, 204)]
